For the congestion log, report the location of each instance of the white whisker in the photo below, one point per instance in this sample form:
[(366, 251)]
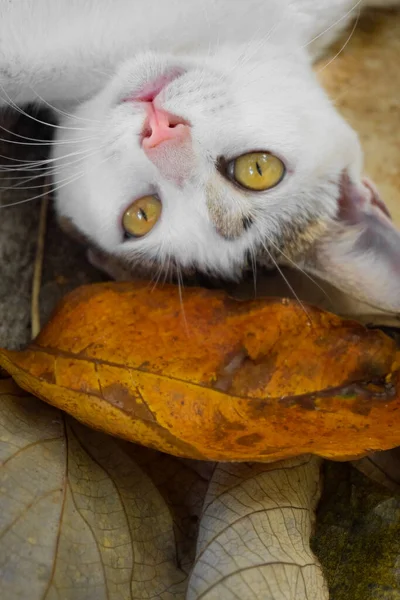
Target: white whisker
[(180, 291), (254, 269), (39, 163), (46, 142), (156, 277), (52, 170), (356, 5), (63, 112), (287, 282), (344, 45), (49, 143), (22, 112), (65, 182), (296, 266)]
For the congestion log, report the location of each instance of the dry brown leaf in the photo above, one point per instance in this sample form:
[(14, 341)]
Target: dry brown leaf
[(254, 534), (80, 520), (221, 380), (382, 467)]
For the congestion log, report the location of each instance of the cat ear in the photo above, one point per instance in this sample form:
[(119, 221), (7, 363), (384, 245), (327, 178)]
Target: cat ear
[(360, 251)]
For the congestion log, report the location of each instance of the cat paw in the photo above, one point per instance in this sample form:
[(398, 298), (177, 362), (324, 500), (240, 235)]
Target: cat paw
[(109, 265)]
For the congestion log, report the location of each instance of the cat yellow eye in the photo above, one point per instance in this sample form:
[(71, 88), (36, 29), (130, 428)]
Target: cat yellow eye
[(140, 218), (258, 171)]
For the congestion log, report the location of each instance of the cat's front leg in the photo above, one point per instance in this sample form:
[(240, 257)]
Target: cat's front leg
[(102, 261), (109, 265)]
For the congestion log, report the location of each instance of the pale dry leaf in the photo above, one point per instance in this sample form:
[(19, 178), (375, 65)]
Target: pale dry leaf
[(80, 520), (183, 484), (254, 534)]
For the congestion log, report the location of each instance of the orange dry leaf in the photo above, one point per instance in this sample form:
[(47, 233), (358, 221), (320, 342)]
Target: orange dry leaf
[(222, 380)]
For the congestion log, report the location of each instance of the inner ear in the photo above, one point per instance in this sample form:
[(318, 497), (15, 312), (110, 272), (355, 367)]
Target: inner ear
[(360, 250)]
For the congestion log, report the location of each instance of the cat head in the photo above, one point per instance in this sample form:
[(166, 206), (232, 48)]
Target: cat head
[(212, 163)]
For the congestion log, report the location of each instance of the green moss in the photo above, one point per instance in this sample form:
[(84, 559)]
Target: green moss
[(358, 536)]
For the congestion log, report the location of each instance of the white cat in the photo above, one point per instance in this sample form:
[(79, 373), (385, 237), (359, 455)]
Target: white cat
[(193, 135)]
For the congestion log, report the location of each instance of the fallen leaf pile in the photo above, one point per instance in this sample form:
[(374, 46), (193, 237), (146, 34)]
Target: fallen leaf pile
[(87, 517), (222, 380)]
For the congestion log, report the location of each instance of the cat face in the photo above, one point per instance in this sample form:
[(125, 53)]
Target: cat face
[(207, 164)]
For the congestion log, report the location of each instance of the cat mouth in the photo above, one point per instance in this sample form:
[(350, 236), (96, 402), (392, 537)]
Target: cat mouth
[(151, 90), (162, 129)]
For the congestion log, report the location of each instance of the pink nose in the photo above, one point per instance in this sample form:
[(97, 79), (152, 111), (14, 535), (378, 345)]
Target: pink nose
[(163, 127)]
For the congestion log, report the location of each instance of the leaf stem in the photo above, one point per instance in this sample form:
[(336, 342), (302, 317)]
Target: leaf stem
[(38, 265)]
